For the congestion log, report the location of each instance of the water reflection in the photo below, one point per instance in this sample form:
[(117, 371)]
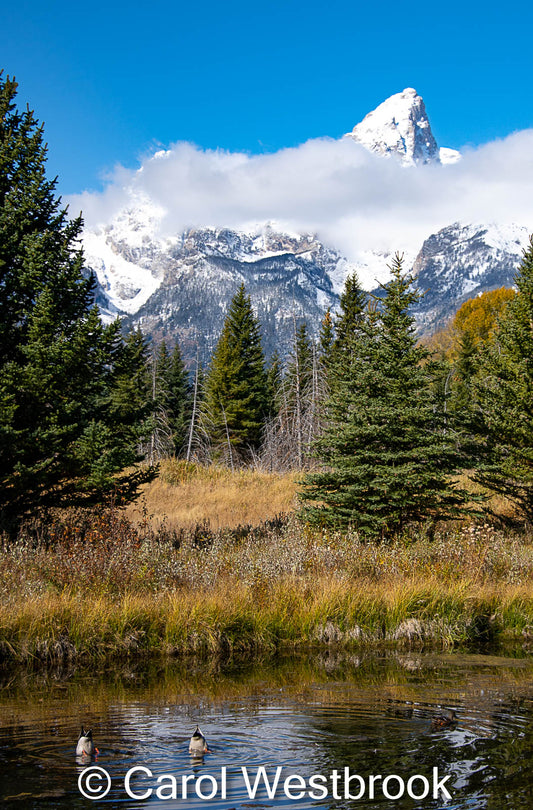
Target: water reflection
[(373, 714)]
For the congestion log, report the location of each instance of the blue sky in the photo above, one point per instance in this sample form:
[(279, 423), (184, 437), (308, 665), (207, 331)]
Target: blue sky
[(115, 81)]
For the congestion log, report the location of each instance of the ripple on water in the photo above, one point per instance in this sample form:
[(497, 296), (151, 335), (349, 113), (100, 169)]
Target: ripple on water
[(375, 724)]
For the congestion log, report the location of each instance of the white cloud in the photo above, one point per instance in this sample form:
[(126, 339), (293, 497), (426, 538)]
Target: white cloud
[(353, 199)]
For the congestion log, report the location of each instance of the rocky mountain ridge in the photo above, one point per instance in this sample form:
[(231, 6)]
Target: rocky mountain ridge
[(460, 262), (287, 277), (400, 127), (179, 287)]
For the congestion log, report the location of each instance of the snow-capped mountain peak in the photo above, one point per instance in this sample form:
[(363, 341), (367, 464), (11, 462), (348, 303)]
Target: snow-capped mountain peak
[(178, 284), (400, 126)]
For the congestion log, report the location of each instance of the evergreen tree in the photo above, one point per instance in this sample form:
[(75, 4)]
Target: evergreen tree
[(324, 358), (274, 385), (353, 302), (326, 337), (131, 395), (179, 399), (299, 396), (386, 451), (120, 417), (298, 379), (462, 396), (160, 444), (61, 441), (172, 392), (236, 397), (504, 388)]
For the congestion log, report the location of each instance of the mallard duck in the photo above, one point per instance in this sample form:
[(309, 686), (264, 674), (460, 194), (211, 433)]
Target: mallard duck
[(448, 719), (86, 747), (198, 743)]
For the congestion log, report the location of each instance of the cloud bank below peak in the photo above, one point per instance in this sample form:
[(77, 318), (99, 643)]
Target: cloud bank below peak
[(352, 198)]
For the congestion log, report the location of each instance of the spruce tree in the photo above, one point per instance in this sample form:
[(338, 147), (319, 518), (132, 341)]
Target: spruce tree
[(345, 337), (274, 385), (172, 399), (236, 396), (179, 402), (386, 452), (299, 401), (504, 389), (61, 441), (353, 302), (462, 395), (326, 337)]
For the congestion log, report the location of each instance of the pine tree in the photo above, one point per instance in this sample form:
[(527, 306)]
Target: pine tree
[(274, 385), (326, 337), (60, 443), (131, 393), (119, 418), (172, 398), (504, 388), (462, 396), (353, 302), (386, 452), (236, 397)]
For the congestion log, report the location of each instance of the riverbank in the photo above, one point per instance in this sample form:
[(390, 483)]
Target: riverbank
[(78, 628), (97, 587)]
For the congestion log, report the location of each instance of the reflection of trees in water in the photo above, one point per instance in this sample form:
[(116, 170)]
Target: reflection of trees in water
[(489, 753), (371, 713)]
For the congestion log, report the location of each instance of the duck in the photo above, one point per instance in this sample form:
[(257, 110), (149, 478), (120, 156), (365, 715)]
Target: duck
[(448, 719), (86, 747), (198, 743)]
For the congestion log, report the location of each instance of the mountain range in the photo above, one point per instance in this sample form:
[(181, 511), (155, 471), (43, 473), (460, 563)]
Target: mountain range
[(180, 286)]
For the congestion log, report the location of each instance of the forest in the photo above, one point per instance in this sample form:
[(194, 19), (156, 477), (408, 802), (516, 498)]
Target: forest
[(388, 441), (380, 424)]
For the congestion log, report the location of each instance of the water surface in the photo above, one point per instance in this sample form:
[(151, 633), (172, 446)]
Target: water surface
[(314, 717)]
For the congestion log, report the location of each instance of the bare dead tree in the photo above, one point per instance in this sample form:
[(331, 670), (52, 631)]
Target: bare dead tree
[(194, 413)]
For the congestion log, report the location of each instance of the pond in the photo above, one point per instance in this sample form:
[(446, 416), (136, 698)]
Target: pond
[(322, 732)]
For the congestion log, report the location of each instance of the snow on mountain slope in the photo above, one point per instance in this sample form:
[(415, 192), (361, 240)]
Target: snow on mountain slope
[(127, 285), (131, 261), (179, 286), (400, 126), (462, 261)]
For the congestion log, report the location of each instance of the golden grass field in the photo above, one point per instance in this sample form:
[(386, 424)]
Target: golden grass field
[(215, 563), (188, 494)]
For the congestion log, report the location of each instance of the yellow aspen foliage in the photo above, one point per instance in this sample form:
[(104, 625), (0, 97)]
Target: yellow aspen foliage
[(477, 318)]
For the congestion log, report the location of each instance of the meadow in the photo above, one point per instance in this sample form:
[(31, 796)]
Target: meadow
[(246, 577)]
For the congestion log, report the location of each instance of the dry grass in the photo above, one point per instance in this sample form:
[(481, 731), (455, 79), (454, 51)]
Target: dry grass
[(98, 585), (95, 586), (490, 501), (237, 620), (188, 494)]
